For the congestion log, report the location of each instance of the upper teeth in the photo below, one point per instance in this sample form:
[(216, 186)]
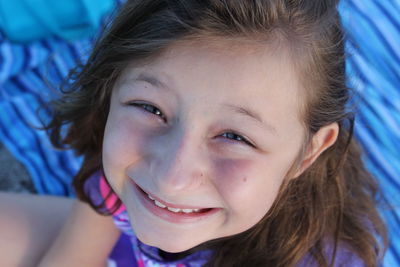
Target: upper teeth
[(161, 205)]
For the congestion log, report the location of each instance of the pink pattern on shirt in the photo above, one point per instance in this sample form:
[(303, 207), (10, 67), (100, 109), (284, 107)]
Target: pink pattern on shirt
[(112, 199)]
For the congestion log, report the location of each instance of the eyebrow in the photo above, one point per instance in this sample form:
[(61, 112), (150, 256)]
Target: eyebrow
[(252, 114), (144, 77)]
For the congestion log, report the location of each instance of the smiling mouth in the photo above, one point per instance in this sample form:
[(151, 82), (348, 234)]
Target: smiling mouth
[(171, 207)]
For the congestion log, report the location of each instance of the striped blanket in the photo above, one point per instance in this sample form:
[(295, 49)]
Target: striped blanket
[(30, 75), (373, 67)]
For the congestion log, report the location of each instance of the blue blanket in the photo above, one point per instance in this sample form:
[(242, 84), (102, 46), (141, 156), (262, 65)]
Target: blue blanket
[(373, 67), (30, 75)]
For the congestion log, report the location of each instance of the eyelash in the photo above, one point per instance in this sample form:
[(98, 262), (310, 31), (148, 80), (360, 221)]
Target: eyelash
[(236, 137), (151, 109), (156, 111)]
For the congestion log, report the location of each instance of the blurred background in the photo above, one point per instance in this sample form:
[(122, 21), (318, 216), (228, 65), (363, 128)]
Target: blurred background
[(42, 40)]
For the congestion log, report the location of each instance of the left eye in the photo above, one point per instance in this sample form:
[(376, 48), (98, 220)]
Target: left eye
[(236, 137)]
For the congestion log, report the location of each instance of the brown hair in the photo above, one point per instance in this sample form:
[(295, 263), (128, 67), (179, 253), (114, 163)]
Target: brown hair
[(332, 205)]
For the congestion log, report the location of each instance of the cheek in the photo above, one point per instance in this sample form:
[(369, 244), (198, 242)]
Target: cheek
[(122, 146), (232, 174), (248, 187)]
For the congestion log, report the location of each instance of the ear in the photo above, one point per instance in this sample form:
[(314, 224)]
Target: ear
[(322, 140)]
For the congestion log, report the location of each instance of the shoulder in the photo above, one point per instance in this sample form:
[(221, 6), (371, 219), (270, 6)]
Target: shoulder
[(84, 236)]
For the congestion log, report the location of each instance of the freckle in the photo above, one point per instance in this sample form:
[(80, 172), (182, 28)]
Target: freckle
[(244, 179)]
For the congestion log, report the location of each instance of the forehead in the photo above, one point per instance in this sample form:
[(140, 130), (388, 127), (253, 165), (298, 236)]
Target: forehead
[(229, 72)]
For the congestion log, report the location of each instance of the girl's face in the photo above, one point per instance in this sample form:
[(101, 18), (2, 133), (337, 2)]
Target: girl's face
[(209, 131)]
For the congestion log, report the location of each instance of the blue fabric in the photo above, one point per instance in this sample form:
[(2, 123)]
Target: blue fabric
[(29, 20), (30, 75), (373, 66)]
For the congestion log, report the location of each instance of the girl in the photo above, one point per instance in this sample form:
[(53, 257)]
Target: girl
[(216, 133)]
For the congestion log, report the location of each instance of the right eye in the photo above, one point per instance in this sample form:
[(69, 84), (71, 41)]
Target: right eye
[(150, 109)]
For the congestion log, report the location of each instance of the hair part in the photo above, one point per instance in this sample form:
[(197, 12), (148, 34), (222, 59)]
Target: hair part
[(331, 205)]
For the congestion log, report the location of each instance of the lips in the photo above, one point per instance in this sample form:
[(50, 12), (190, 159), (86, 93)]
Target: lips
[(172, 212)]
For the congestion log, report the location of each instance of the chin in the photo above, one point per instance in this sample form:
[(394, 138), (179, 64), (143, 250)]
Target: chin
[(171, 246), (173, 249)]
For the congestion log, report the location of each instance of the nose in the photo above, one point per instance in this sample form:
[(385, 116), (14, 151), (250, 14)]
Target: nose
[(177, 162)]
